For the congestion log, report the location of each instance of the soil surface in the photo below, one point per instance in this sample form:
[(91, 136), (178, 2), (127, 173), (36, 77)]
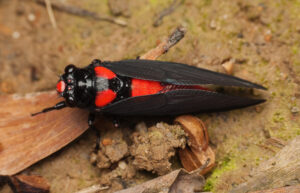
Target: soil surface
[(260, 37)]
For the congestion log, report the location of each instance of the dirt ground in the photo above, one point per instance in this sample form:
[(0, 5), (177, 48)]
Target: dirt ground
[(261, 38)]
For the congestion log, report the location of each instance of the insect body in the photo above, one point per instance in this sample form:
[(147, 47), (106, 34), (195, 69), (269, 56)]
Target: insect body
[(146, 87)]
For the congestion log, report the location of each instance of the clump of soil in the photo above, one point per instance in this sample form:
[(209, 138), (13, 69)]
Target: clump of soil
[(112, 149), (152, 149), (123, 152)]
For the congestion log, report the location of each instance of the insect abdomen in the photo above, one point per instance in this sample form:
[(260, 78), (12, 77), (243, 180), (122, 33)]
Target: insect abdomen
[(141, 87)]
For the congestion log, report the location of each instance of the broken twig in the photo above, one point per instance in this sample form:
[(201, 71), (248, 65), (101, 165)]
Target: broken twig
[(82, 12), (165, 45), (166, 12), (50, 13), (93, 189)]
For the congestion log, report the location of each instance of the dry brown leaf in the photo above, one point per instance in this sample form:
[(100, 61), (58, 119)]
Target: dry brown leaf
[(24, 139), (29, 184), (198, 152)]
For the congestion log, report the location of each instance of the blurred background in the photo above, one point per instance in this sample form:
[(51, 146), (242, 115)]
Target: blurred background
[(259, 38)]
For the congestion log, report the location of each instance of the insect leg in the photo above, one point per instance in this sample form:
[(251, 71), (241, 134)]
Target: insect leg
[(58, 106), (91, 121), (116, 122)]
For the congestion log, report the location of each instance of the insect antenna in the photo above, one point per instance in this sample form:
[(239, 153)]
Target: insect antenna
[(58, 106)]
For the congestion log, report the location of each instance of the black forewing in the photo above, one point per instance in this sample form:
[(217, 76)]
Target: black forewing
[(175, 73), (178, 102)]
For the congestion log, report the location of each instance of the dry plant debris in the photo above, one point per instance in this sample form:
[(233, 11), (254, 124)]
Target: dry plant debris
[(166, 44), (287, 189), (229, 66), (281, 170), (29, 184), (167, 11), (24, 139), (82, 12), (93, 189), (198, 152), (176, 181)]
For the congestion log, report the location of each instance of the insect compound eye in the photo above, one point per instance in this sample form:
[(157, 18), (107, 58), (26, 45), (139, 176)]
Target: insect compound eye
[(60, 86), (70, 68)]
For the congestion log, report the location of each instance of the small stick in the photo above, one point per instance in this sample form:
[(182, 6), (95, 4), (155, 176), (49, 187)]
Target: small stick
[(50, 13), (166, 12), (82, 12), (93, 189), (165, 45), (201, 168)]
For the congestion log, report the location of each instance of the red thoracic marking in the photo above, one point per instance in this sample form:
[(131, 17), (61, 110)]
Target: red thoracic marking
[(104, 97), (104, 72), (60, 87), (144, 87)]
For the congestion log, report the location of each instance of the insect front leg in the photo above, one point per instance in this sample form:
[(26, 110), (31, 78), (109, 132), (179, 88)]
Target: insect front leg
[(91, 123), (116, 122), (91, 120)]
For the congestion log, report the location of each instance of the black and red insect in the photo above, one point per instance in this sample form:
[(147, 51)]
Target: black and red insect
[(147, 87)]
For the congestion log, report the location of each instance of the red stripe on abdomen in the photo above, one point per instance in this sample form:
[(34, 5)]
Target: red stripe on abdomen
[(171, 87), (141, 87), (105, 97)]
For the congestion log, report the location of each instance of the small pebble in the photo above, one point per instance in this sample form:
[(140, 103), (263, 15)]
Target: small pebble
[(295, 110), (268, 36), (141, 127), (213, 24), (122, 165), (228, 66), (106, 141), (31, 17), (195, 61), (258, 109), (93, 158), (16, 35)]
